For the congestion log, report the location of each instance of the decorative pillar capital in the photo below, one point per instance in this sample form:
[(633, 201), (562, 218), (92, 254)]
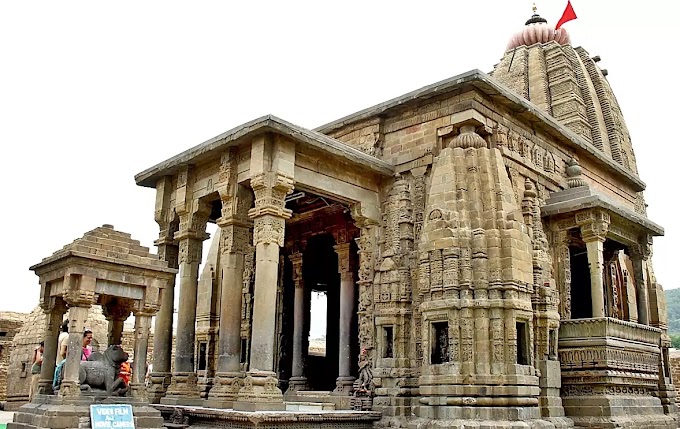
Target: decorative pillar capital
[(117, 310), (270, 191), (594, 225), (234, 237), (53, 305), (79, 298), (190, 250), (296, 261), (269, 229), (365, 215), (642, 249), (344, 259)]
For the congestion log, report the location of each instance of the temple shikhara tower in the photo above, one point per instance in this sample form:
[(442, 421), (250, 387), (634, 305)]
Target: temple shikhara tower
[(482, 244)]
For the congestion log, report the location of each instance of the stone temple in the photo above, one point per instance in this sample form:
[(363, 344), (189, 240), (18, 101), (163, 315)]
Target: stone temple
[(482, 243)]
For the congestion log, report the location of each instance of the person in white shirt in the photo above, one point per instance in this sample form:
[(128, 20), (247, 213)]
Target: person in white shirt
[(62, 342)]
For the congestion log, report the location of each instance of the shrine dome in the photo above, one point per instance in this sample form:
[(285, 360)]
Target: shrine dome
[(566, 82), (537, 30)]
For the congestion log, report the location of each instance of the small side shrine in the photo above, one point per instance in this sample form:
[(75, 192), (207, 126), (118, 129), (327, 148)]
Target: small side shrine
[(108, 268)]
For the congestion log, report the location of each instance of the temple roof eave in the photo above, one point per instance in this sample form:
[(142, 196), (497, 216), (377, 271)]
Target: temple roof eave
[(503, 96), (242, 133), (593, 200), (59, 258)]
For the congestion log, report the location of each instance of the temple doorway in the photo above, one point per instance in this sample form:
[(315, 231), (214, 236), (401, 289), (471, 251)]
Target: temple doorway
[(320, 272), (320, 259), (581, 300)]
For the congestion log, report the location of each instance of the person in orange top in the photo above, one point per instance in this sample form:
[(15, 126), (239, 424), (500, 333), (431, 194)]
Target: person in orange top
[(125, 372)]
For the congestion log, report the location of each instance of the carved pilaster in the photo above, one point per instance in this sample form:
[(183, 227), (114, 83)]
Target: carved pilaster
[(563, 269), (367, 244)]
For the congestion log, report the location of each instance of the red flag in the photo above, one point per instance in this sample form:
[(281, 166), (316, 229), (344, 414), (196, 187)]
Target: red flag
[(568, 15)]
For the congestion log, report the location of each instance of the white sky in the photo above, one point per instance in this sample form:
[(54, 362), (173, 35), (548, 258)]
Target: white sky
[(92, 93)]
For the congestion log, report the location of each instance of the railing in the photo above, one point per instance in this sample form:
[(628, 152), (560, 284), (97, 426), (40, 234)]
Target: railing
[(609, 327)]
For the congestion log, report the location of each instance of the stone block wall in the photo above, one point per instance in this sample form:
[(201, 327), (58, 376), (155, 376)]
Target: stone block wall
[(674, 356), (10, 324)]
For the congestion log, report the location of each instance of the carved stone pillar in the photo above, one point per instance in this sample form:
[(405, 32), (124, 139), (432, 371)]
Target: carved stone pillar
[(77, 314), (184, 387), (54, 310), (594, 227), (229, 376), (142, 331), (160, 377), (235, 239), (345, 379), (366, 243), (260, 390), (298, 381), (639, 256)]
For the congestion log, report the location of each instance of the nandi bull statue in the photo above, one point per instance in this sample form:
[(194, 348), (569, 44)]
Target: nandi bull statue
[(100, 372)]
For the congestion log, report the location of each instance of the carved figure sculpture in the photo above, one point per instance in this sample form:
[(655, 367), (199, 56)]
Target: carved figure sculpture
[(363, 386), (100, 372)]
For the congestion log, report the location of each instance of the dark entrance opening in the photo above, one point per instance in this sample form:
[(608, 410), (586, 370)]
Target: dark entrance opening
[(320, 273), (581, 301)]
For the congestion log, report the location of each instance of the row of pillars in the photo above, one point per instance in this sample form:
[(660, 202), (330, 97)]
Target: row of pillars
[(345, 380), (77, 316), (230, 380), (266, 220), (594, 234)]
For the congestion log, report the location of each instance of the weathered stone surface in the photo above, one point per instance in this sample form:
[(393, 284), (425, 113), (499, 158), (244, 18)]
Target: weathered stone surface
[(484, 249), (10, 325)]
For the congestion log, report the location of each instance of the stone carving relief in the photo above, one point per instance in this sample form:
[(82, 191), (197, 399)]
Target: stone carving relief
[(371, 144), (520, 146), (190, 251), (269, 229)]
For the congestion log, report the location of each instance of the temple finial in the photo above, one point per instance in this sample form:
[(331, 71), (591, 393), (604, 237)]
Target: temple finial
[(534, 8)]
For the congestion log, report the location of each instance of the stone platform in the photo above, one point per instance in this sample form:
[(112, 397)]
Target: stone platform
[(198, 417), (51, 412)]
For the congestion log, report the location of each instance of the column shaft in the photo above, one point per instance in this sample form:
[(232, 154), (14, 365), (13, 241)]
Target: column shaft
[(229, 359), (115, 332), (162, 334), (594, 249), (264, 317), (640, 273), (186, 319), (142, 328), (162, 338), (345, 379), (52, 328), (70, 385), (298, 381), (298, 332), (346, 310)]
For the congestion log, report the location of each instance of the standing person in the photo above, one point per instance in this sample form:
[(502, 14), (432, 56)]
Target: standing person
[(35, 369), (87, 340), (62, 342), (125, 372)]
